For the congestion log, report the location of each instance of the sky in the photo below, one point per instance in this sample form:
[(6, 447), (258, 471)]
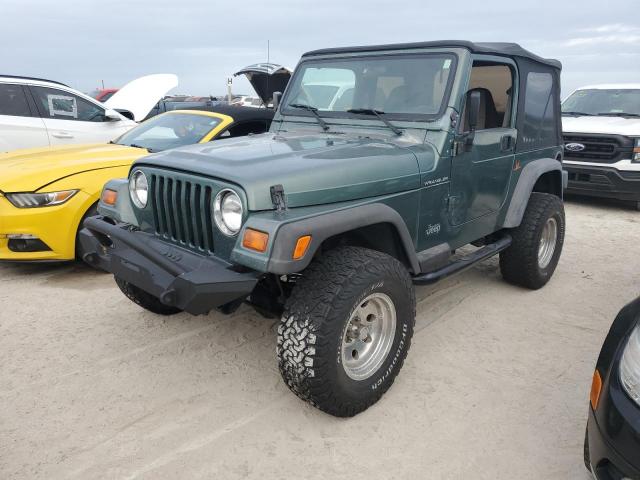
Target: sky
[(85, 42)]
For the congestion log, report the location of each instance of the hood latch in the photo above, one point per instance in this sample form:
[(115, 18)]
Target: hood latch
[(278, 198)]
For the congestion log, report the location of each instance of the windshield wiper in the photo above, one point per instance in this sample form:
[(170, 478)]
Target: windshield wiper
[(618, 114), (378, 113), (135, 145), (313, 110), (580, 114)]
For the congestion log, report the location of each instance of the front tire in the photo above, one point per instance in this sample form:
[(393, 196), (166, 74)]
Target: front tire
[(537, 243), (144, 299), (346, 330)]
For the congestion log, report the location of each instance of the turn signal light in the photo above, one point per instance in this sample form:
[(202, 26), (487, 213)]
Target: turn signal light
[(596, 388), (255, 240), (109, 197), (301, 247)]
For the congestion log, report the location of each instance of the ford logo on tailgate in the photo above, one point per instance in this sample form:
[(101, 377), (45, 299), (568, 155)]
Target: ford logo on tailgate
[(574, 147)]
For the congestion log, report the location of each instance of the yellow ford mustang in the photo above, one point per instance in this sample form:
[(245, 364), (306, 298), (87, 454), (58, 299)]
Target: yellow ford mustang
[(45, 193)]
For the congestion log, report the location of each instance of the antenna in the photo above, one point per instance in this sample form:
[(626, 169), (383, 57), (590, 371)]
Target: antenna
[(268, 75)]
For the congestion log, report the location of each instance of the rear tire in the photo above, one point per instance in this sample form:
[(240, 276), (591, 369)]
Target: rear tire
[(537, 243), (346, 330), (144, 299)]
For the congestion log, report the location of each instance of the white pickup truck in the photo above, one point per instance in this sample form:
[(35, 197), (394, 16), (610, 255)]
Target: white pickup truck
[(601, 129)]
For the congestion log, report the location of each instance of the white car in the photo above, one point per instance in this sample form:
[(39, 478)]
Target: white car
[(40, 113), (601, 130)]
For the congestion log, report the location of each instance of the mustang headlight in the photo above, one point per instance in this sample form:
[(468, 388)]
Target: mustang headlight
[(630, 365), (227, 212), (139, 189), (33, 200)]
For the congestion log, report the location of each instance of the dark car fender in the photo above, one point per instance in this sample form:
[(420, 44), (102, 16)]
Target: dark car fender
[(529, 176), (324, 226)]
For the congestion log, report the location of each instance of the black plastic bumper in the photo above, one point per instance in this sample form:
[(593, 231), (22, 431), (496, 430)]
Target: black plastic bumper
[(178, 277), (603, 181)]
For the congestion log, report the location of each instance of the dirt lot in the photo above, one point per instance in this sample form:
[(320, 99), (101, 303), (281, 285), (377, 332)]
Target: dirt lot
[(495, 385)]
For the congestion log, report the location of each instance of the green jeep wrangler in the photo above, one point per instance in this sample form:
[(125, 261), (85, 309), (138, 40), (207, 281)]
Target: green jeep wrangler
[(380, 163)]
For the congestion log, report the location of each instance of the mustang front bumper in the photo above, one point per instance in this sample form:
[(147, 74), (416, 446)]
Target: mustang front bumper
[(178, 277)]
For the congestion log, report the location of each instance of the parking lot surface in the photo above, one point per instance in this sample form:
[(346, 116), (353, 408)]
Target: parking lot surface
[(495, 386)]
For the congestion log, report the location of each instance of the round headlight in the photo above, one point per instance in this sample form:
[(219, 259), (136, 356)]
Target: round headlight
[(227, 212), (139, 189)]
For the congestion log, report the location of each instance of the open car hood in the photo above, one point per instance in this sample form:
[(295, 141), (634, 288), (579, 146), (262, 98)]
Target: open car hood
[(140, 95), (266, 78)]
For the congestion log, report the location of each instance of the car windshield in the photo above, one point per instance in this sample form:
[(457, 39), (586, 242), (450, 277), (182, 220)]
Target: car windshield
[(616, 102), (169, 130), (402, 87)]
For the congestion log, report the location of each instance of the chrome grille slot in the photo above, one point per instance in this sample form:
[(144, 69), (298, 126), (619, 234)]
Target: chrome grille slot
[(182, 211)]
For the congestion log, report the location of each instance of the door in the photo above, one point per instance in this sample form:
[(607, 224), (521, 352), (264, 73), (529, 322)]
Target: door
[(20, 126), (71, 119), (481, 171)]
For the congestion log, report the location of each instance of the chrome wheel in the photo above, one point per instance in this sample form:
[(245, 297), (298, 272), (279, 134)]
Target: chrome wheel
[(548, 241), (368, 337)]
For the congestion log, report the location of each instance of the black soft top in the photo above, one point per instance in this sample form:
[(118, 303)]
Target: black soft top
[(494, 48), (239, 113)]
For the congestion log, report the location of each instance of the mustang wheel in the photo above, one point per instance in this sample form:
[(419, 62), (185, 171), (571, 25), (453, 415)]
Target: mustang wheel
[(537, 243), (346, 330)]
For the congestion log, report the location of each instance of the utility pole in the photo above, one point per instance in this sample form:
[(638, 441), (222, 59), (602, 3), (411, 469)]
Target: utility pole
[(229, 94)]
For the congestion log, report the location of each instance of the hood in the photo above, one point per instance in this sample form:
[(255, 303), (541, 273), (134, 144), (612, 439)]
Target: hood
[(266, 78), (607, 125), (32, 169), (312, 169), (139, 96)]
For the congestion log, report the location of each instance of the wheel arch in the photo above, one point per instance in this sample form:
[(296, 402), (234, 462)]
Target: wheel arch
[(376, 226), (544, 175)]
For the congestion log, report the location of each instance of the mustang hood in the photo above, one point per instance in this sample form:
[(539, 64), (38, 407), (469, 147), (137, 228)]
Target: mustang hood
[(32, 169), (311, 169), (601, 124)]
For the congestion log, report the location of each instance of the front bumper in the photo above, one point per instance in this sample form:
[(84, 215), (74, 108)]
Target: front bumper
[(603, 181), (178, 277), (55, 226)]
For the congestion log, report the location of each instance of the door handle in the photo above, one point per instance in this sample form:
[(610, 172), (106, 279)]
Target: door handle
[(62, 135), (506, 143)]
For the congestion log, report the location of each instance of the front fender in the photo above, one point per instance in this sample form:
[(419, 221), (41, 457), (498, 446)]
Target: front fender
[(321, 226), (122, 211)]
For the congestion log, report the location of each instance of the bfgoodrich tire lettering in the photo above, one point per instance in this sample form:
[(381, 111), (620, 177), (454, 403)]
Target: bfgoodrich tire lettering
[(314, 323), (520, 263)]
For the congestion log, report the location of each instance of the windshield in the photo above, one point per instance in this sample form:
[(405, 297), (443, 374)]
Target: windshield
[(603, 102), (170, 130), (401, 86)]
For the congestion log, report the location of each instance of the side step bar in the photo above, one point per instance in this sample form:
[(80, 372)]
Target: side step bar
[(463, 263)]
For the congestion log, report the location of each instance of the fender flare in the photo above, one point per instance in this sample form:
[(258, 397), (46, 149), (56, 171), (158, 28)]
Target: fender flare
[(528, 178), (327, 225)]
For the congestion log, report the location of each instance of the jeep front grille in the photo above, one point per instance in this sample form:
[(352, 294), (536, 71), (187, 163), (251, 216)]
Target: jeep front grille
[(182, 211), (599, 148)]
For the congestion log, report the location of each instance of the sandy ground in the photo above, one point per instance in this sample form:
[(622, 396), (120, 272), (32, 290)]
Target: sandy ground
[(495, 385)]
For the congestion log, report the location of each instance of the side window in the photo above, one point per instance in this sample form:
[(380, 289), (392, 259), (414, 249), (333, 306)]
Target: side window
[(63, 105), (538, 129), (494, 82), (13, 101)]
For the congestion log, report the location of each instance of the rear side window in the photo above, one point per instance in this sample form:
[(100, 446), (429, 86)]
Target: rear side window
[(539, 127), (13, 101), (63, 105)]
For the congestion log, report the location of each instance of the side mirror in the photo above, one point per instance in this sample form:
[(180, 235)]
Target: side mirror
[(276, 99), (473, 113), (112, 115)]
